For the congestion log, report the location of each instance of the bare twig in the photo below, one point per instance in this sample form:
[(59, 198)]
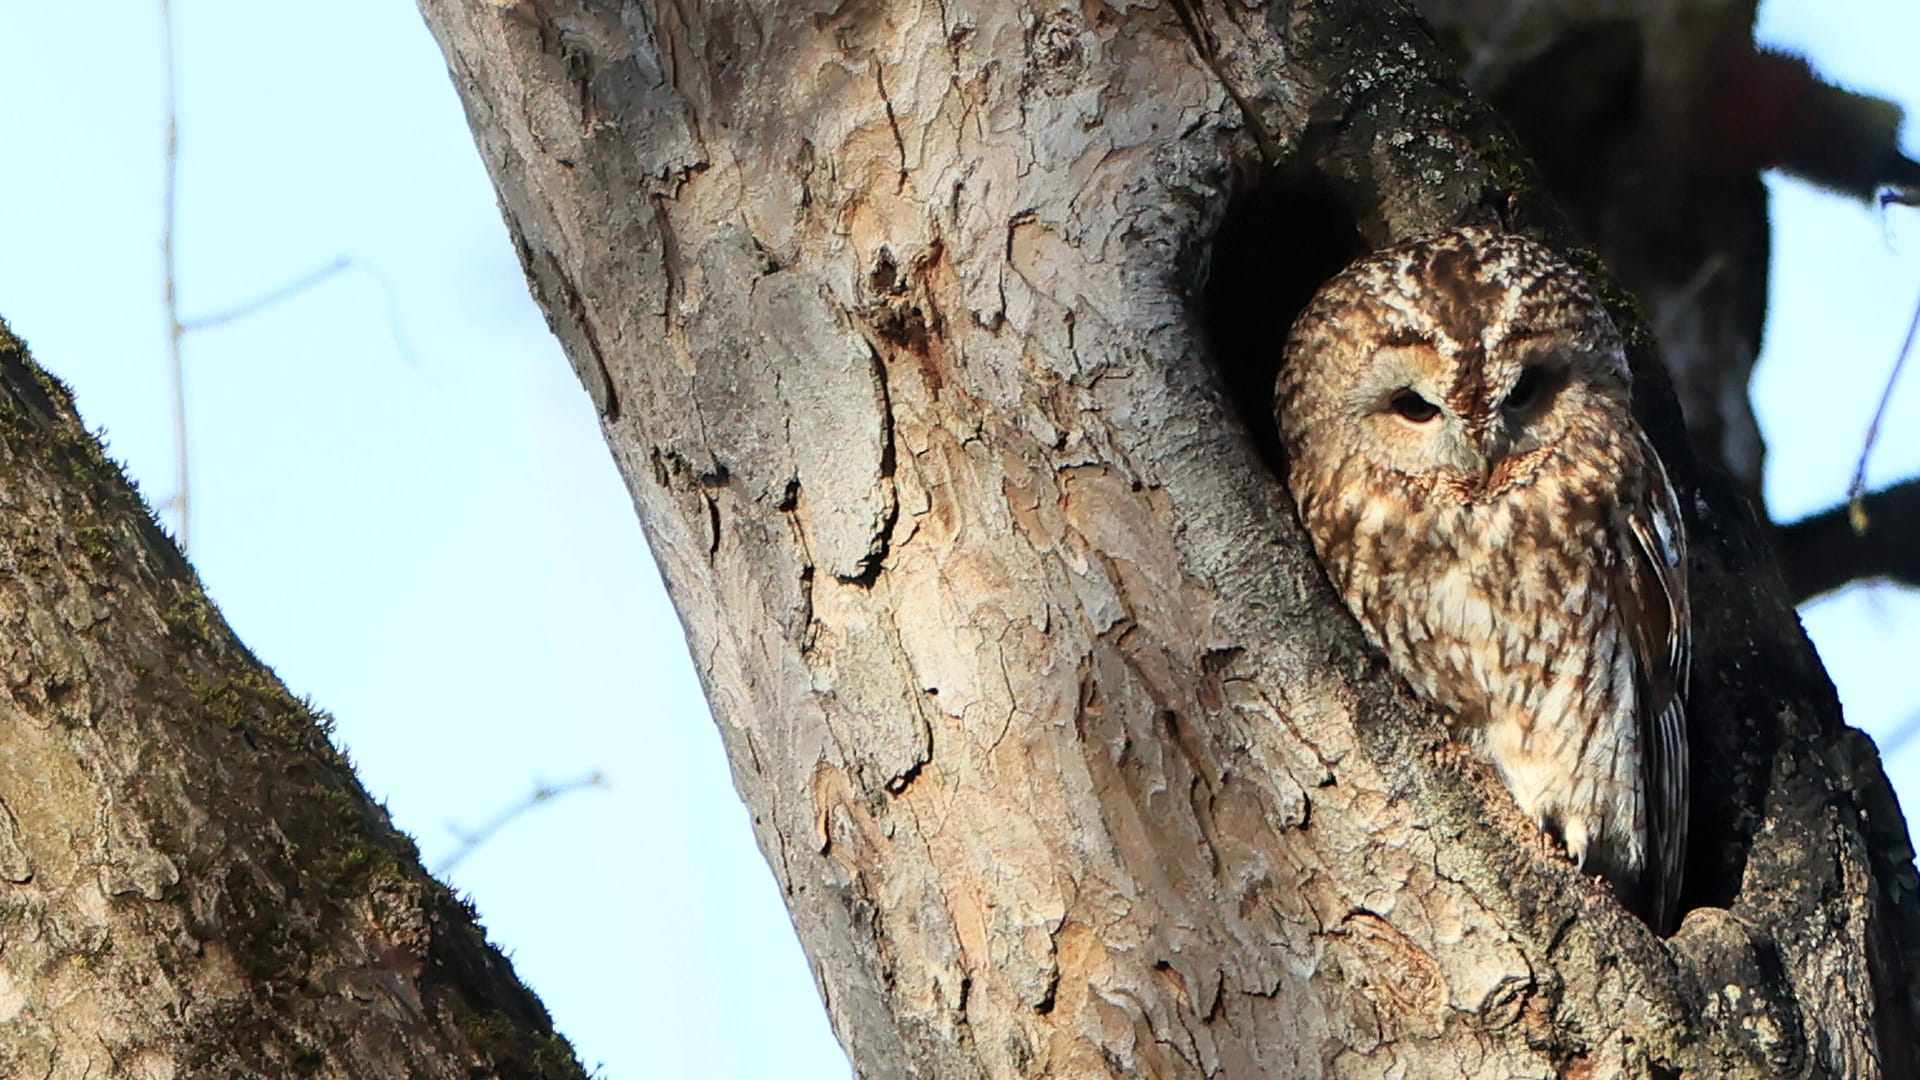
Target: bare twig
[(544, 793), (181, 502), (395, 326), (1905, 194), (301, 284), (1856, 490), (266, 300)]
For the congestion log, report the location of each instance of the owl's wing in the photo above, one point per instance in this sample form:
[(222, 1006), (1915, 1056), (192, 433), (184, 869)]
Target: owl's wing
[(1662, 631)]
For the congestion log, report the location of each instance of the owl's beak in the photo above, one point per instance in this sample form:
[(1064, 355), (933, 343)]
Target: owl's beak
[(1469, 455), (1494, 444), (1479, 452), (1482, 470)]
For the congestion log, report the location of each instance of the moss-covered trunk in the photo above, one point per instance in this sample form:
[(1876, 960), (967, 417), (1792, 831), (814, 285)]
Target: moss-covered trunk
[(192, 882)]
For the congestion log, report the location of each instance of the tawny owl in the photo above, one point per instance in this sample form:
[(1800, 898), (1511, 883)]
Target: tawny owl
[(1460, 443)]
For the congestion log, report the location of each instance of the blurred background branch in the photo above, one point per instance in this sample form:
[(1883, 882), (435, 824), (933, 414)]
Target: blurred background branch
[(542, 794), (1824, 552)]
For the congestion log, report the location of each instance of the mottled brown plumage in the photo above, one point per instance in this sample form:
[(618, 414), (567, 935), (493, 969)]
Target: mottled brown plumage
[(1461, 445)]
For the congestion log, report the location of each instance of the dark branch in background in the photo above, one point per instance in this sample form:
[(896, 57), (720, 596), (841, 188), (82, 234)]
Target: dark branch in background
[(1823, 552), (544, 793), (1774, 111), (1870, 536), (1847, 142)]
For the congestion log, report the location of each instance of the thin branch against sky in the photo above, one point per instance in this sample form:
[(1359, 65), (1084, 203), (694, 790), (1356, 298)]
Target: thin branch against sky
[(541, 794), (268, 299), (181, 502), (1857, 489)]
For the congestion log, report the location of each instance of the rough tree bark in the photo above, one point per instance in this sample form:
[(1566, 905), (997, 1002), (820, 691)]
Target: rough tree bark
[(956, 463), (192, 883)]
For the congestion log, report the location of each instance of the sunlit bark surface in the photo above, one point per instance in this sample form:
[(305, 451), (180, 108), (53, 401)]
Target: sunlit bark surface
[(956, 462)]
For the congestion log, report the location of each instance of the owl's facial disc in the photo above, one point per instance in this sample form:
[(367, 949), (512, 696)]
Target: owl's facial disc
[(1421, 431), (1533, 394)]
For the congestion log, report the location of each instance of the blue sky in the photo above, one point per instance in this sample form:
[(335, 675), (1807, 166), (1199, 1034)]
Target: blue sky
[(432, 542)]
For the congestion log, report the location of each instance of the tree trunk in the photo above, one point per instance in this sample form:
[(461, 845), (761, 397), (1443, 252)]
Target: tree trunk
[(192, 882), (935, 342)]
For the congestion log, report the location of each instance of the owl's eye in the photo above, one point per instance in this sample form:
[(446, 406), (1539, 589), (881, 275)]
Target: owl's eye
[(1526, 390), (1411, 406)]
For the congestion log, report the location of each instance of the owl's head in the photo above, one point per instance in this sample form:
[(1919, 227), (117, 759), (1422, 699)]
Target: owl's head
[(1457, 358)]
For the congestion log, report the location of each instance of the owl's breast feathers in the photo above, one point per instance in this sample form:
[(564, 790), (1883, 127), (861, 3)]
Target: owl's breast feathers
[(1546, 615)]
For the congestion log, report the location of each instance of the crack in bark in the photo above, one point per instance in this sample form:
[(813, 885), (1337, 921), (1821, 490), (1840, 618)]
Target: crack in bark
[(1194, 22), (599, 379), (882, 544), (669, 265), (893, 123)]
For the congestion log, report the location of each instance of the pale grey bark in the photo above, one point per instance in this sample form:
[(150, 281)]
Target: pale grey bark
[(1063, 755)]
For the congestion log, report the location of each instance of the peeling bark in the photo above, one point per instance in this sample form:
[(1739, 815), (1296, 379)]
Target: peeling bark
[(956, 464)]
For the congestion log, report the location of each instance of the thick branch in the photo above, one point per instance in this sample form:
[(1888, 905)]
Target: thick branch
[(194, 882), (1823, 552)]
